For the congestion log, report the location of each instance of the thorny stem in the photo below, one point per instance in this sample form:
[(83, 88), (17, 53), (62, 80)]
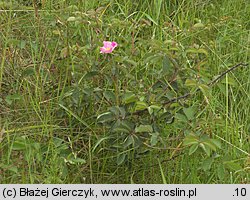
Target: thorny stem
[(197, 90), (209, 84)]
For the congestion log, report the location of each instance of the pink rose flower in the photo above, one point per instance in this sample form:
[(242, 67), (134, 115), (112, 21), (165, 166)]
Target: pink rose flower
[(108, 47)]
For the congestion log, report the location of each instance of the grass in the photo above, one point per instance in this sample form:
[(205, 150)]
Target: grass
[(69, 114)]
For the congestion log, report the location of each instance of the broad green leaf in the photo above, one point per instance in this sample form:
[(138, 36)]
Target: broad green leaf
[(56, 32), (72, 159), (57, 141), (10, 98), (91, 74), (205, 148), (129, 97), (210, 144), (216, 142), (189, 112), (128, 141), (30, 71), (8, 101), (140, 105), (207, 163), (19, 144), (191, 140), (197, 51), (205, 90), (180, 117), (77, 161), (115, 110), (193, 148), (190, 82), (122, 127), (144, 128), (221, 172), (232, 165), (166, 65), (154, 138), (22, 44), (120, 158), (109, 95), (173, 49), (106, 117), (152, 108), (155, 107), (36, 146), (132, 62), (199, 25), (155, 58), (167, 117), (122, 112), (203, 51)]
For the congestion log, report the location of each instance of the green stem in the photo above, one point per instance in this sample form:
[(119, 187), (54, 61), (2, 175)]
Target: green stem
[(116, 90)]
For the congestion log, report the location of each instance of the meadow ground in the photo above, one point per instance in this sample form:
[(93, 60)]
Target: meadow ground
[(70, 114)]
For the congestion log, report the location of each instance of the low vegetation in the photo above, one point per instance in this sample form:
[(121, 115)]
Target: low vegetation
[(168, 103)]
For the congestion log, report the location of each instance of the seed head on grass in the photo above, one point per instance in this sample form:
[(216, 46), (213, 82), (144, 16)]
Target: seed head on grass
[(108, 47)]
